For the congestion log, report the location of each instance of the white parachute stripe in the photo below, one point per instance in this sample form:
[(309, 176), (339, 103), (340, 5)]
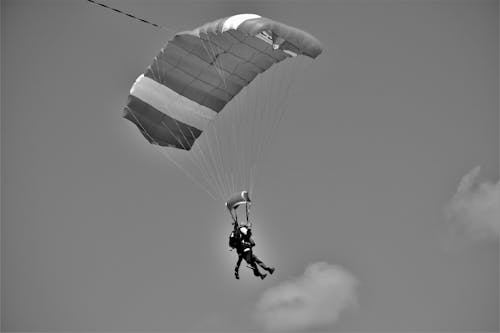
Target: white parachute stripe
[(233, 22), (171, 103)]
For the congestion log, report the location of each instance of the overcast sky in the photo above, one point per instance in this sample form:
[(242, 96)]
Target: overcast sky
[(101, 233)]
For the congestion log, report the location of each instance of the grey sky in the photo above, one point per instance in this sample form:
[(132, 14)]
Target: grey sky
[(101, 233)]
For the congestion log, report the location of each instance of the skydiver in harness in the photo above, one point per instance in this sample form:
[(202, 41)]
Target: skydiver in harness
[(241, 238)]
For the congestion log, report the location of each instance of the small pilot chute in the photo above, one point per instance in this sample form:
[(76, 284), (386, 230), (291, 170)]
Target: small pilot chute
[(235, 201)]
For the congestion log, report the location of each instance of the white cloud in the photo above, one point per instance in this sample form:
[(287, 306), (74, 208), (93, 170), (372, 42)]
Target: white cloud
[(475, 208), (311, 301)]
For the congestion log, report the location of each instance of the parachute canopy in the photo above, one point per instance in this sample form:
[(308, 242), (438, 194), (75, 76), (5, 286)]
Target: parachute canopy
[(198, 72), (213, 96)]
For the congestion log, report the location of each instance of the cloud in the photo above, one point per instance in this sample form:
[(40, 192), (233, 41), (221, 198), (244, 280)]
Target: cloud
[(311, 301), (475, 208)]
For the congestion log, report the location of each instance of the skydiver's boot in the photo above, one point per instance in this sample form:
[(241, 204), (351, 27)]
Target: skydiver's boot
[(267, 268), (236, 274), (256, 272)]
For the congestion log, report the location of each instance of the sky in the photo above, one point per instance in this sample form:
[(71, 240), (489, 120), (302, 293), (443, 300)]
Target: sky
[(377, 201)]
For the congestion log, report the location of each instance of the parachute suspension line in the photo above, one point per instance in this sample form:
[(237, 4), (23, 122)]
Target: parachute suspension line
[(275, 103), (248, 116), (278, 89), (228, 173), (212, 53), (255, 115), (302, 64), (276, 106), (207, 163), (212, 165), (234, 216), (268, 108), (229, 149), (219, 168), (215, 174), (220, 158), (262, 99), (280, 108), (186, 172), (215, 168), (196, 161), (207, 180), (252, 126), (232, 143), (212, 176), (255, 130), (243, 132), (130, 15), (251, 111), (244, 139), (218, 63), (203, 169), (164, 151), (220, 149), (235, 145), (247, 209), (262, 105)]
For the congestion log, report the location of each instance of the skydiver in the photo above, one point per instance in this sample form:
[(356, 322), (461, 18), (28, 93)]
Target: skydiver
[(243, 243)]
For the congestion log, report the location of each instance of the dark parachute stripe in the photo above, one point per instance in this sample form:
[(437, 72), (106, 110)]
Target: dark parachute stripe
[(159, 128)]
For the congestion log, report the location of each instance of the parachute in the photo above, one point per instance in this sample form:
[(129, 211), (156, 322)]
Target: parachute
[(213, 96), (235, 201), (238, 199)]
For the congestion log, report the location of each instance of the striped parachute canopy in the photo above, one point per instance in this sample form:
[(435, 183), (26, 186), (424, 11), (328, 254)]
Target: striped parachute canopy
[(212, 97)]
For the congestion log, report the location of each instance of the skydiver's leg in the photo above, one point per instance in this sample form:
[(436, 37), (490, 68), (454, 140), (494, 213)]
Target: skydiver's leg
[(249, 258), (237, 267), (261, 264)]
